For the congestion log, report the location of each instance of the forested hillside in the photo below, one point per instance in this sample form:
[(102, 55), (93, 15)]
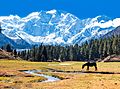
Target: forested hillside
[(93, 50)]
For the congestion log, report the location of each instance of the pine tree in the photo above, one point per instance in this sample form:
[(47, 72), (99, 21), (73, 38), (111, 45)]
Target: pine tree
[(109, 45), (71, 53), (15, 52), (8, 48), (114, 45), (105, 49), (75, 52), (44, 55), (39, 53), (33, 54), (23, 54), (2, 47)]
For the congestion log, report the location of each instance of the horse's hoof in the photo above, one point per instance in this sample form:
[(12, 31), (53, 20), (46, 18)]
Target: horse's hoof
[(82, 70)]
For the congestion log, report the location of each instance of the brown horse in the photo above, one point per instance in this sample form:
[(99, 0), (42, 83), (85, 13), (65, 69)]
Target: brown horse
[(90, 64)]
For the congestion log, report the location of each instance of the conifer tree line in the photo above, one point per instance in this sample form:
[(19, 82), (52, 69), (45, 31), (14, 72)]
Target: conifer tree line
[(92, 50), (7, 47)]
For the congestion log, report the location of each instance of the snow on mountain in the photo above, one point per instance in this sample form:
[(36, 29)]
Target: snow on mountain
[(55, 28), (5, 40), (114, 32)]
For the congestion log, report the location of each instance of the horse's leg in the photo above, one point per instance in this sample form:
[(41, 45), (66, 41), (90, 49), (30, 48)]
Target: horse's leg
[(87, 67), (95, 68), (95, 65)]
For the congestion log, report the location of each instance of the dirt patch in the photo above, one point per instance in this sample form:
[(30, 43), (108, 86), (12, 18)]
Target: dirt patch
[(4, 74), (65, 64), (112, 58), (6, 55)]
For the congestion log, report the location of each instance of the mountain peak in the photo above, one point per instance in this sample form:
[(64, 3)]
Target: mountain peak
[(52, 11), (102, 18), (33, 14), (56, 27)]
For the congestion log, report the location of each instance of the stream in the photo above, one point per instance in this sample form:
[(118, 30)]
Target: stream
[(49, 78), (53, 79)]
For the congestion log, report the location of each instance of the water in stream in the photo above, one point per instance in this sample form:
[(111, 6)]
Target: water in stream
[(49, 78)]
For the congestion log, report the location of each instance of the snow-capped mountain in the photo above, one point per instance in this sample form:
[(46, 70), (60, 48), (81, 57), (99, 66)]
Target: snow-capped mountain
[(5, 40), (55, 27), (115, 32)]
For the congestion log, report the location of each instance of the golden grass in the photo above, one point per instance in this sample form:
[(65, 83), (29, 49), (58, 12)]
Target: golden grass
[(22, 80)]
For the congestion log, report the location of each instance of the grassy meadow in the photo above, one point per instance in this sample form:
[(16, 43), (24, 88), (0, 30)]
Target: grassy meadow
[(12, 78)]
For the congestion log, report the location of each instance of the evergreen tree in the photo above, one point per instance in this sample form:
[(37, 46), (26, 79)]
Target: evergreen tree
[(33, 53), (101, 50), (39, 53), (71, 53), (2, 47), (44, 55), (8, 48), (114, 45), (23, 54), (105, 49), (15, 52)]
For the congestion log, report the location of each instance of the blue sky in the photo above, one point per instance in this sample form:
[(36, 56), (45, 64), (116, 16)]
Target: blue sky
[(80, 8)]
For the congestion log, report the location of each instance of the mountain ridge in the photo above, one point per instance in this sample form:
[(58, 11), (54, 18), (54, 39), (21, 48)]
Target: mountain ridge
[(55, 28), (5, 40), (114, 32)]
